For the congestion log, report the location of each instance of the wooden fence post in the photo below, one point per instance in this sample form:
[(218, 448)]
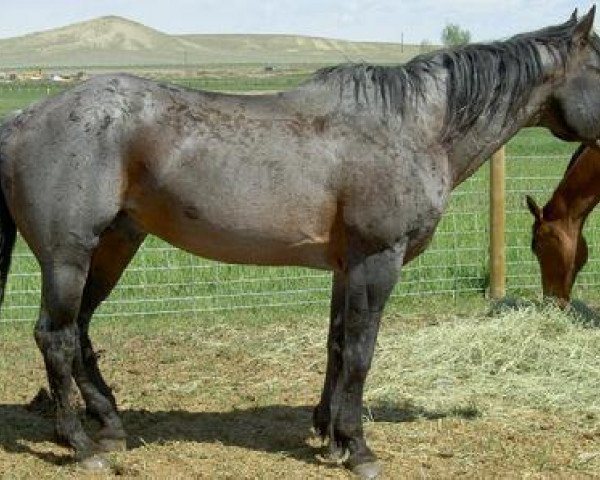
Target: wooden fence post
[(497, 225)]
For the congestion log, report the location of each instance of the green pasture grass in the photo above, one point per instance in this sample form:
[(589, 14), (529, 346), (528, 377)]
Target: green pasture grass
[(163, 281), (234, 83), (14, 96)]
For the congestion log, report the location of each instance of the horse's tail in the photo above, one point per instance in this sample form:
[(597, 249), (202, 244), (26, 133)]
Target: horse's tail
[(8, 232)]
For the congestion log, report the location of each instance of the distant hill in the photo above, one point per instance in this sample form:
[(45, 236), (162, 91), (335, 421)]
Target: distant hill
[(116, 41)]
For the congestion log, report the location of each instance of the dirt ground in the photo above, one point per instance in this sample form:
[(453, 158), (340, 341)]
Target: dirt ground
[(233, 399)]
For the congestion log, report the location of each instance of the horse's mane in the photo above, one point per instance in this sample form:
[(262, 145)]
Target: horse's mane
[(481, 79)]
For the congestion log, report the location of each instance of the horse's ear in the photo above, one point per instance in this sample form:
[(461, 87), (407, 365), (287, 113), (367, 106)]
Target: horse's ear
[(584, 26), (534, 209), (574, 16)]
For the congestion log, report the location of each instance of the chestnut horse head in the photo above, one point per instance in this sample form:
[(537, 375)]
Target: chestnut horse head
[(561, 251), (557, 239)]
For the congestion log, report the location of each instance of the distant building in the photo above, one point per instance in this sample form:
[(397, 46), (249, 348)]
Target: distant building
[(57, 77), (35, 76)]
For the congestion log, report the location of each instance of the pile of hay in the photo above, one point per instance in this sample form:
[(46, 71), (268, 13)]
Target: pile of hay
[(530, 356)]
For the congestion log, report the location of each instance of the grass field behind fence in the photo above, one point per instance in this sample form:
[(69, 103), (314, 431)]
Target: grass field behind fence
[(162, 280)]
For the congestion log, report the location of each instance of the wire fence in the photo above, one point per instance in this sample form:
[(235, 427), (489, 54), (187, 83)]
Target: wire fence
[(165, 281)]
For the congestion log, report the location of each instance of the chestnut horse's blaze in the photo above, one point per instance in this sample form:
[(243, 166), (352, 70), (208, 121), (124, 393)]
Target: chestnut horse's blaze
[(557, 239), (350, 172)]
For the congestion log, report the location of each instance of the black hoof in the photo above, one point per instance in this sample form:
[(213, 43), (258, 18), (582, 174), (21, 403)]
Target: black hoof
[(367, 470), (363, 462)]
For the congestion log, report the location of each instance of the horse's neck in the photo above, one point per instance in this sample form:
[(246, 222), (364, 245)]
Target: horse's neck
[(423, 126), (474, 147), (579, 191)]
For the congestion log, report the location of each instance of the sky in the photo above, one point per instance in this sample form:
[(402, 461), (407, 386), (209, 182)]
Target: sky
[(368, 20)]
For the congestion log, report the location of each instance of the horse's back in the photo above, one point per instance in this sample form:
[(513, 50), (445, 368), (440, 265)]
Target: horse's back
[(200, 170)]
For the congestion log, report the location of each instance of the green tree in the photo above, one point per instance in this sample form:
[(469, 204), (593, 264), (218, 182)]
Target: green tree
[(453, 35)]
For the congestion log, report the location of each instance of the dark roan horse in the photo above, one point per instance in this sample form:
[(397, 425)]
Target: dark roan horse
[(557, 238), (349, 172)]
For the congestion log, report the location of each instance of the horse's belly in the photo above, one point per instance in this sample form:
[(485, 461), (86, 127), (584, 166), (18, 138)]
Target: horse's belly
[(277, 236), (238, 247)]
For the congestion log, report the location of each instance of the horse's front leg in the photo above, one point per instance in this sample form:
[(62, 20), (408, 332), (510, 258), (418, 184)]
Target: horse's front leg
[(368, 284)]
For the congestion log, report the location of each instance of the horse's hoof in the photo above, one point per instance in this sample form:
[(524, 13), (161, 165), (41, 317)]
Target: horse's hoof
[(95, 463), (112, 444), (367, 471)]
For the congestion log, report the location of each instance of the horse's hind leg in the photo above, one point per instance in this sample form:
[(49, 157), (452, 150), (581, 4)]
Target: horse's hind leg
[(116, 248), (63, 280)]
